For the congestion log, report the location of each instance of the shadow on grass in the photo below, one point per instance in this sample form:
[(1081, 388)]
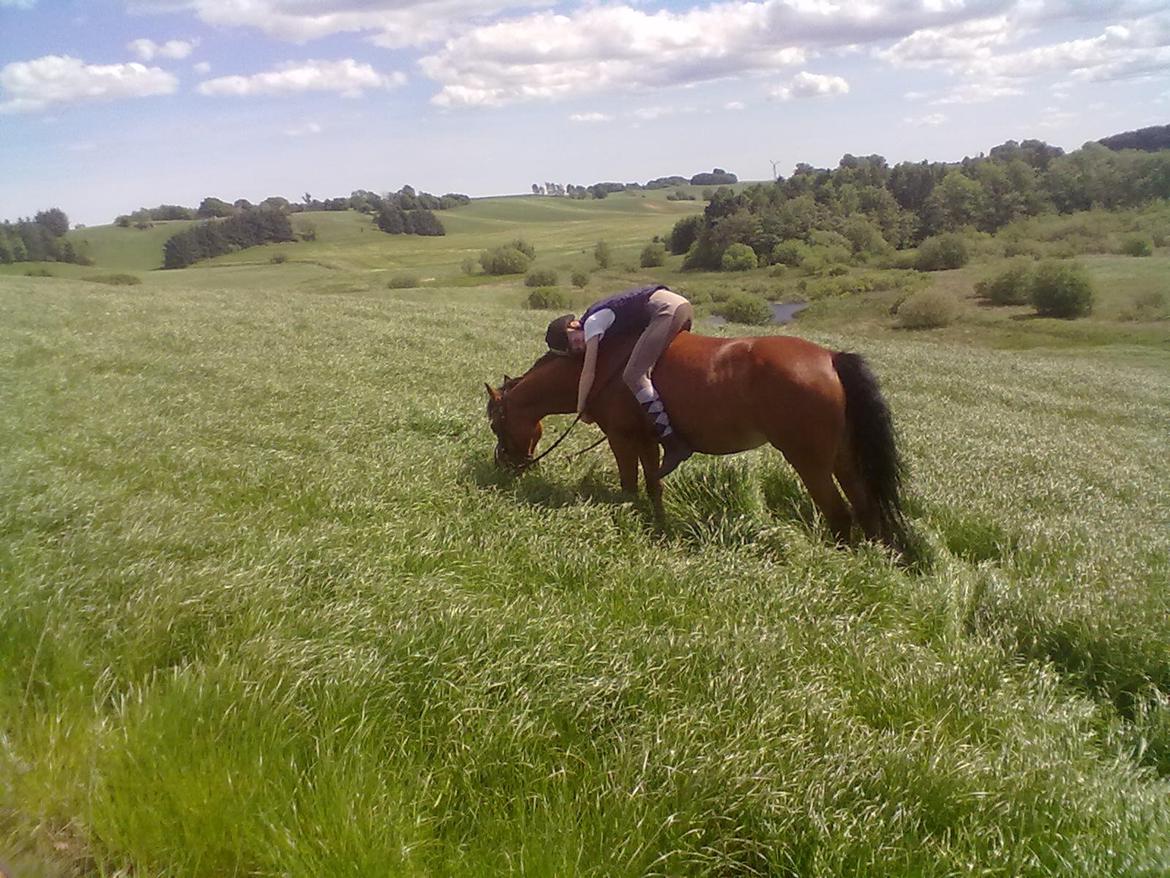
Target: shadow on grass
[(533, 488)]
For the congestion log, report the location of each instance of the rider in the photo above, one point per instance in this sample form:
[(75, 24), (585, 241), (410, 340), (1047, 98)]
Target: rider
[(656, 315)]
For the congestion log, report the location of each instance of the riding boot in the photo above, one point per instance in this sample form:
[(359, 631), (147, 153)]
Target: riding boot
[(675, 449)]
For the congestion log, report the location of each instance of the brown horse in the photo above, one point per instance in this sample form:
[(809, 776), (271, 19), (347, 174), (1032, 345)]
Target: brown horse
[(821, 409)]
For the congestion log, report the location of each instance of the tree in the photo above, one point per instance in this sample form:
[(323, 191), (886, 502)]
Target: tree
[(213, 207), (54, 221), (955, 202), (423, 222), (391, 219)]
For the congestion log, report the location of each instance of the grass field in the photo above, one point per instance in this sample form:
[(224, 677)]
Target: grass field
[(266, 608)]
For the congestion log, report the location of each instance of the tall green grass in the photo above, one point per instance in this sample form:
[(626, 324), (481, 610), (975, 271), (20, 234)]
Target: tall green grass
[(267, 608)]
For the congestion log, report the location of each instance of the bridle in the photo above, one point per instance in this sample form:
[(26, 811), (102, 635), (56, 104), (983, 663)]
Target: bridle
[(498, 427)]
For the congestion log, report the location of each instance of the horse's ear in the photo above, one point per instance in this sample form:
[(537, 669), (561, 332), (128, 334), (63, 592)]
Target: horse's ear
[(492, 392)]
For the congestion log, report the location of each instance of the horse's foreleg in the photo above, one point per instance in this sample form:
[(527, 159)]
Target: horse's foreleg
[(648, 451), (625, 453)]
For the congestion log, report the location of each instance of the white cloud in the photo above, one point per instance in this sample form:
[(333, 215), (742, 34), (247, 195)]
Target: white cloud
[(590, 117), (148, 50), (811, 85), (931, 120), (19, 4), (304, 130), (962, 42), (978, 93), (202, 68), (346, 77), (390, 23), (31, 86), (734, 105)]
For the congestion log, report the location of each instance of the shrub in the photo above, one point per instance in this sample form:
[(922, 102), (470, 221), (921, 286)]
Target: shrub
[(927, 310), (579, 278), (1062, 289), (1012, 286), (404, 281), (745, 308), (1150, 305), (601, 254), (524, 247), (738, 257), (942, 252), (791, 252), (548, 298), (504, 260), (39, 271), (278, 258), (468, 265), (653, 255), (541, 277), (115, 280), (824, 258), (1137, 246)]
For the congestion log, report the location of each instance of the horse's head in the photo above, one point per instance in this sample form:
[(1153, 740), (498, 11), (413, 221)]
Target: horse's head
[(517, 433)]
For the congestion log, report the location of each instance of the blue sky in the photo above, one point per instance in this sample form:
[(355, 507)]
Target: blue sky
[(110, 105)]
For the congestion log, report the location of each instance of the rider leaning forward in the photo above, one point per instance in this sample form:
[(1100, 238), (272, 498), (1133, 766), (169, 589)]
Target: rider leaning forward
[(655, 315)]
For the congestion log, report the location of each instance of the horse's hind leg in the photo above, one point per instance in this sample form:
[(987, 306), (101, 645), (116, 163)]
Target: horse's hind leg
[(865, 510), (818, 479)]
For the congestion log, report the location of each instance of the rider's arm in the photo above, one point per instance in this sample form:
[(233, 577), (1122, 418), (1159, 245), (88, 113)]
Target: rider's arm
[(587, 372)]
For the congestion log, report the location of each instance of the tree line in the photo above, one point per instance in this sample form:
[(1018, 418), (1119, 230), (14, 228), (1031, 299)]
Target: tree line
[(869, 206), (717, 177), (361, 200), (249, 228), (40, 239)]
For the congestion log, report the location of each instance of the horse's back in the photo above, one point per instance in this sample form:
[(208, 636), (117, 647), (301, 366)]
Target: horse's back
[(730, 394)]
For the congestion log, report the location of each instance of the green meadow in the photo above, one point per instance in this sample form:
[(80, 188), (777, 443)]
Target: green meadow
[(267, 608)]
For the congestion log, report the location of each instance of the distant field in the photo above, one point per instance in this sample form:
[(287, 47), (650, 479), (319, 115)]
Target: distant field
[(266, 607)]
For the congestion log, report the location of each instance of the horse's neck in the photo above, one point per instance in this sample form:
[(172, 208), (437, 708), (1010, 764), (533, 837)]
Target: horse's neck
[(549, 389)]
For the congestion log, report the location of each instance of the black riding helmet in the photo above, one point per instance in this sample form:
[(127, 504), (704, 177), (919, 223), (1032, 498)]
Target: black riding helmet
[(557, 334)]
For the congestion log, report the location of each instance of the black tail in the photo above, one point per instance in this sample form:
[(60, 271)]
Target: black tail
[(875, 449)]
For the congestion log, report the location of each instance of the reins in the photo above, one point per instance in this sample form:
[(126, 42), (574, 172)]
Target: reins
[(594, 392)]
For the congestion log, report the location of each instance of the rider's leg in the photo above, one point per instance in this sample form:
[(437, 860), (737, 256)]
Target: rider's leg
[(671, 314)]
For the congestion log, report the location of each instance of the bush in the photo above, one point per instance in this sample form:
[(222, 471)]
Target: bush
[(1062, 289), (403, 282), (468, 265), (1137, 246), (653, 255), (524, 247), (548, 298), (504, 260), (1012, 286), (1150, 305), (278, 258), (601, 254), (738, 257), (115, 280), (579, 278), (541, 277), (39, 271), (929, 309), (791, 252), (942, 252), (745, 308)]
